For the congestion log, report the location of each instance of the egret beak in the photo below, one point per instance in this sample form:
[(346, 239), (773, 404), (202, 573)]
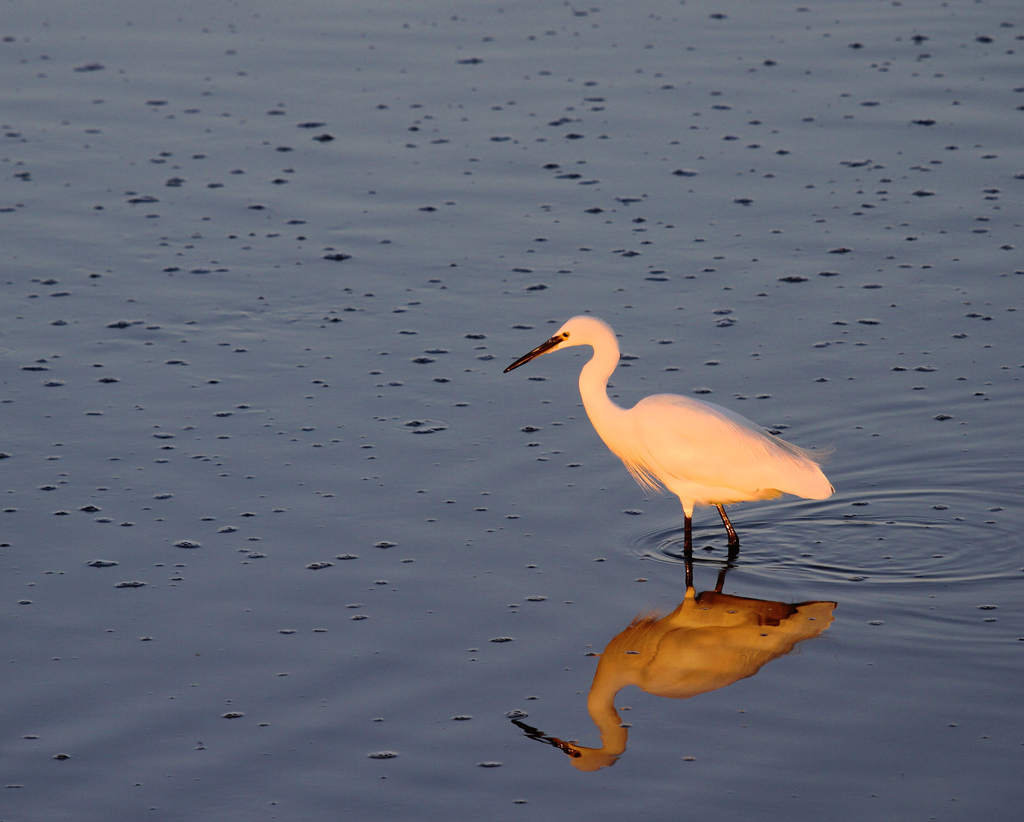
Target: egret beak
[(543, 348)]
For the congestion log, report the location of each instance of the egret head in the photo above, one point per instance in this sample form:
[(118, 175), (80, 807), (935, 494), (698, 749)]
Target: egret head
[(580, 330)]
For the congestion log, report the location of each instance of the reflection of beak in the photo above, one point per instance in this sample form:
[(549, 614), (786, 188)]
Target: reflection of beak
[(583, 759), (540, 736), (566, 747), (543, 348)]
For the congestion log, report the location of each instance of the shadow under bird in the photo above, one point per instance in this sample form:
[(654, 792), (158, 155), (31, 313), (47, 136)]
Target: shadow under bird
[(701, 452)]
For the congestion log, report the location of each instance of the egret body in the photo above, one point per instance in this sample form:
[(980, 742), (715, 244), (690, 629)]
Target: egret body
[(699, 451)]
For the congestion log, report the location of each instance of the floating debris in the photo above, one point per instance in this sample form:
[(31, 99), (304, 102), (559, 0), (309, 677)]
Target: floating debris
[(425, 426)]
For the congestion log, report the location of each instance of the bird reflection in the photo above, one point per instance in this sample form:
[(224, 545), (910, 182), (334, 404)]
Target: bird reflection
[(709, 641)]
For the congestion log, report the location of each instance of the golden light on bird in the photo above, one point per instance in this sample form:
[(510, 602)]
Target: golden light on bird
[(701, 452)]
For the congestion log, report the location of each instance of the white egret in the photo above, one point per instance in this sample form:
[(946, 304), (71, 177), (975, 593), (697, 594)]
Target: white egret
[(699, 451)]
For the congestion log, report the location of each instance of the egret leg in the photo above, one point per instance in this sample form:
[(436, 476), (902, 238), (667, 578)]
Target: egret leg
[(688, 548), (734, 541)]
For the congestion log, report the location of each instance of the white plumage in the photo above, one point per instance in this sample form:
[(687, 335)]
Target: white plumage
[(701, 452)]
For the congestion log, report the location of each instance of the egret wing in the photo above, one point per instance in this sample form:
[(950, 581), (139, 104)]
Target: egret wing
[(704, 444)]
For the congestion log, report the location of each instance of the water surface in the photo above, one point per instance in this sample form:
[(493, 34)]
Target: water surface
[(280, 541)]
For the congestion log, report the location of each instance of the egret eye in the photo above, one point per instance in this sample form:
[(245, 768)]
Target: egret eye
[(565, 335)]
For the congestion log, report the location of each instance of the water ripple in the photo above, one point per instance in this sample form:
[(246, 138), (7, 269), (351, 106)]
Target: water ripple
[(919, 536)]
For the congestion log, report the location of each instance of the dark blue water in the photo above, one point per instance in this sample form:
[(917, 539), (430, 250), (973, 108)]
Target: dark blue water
[(263, 266)]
